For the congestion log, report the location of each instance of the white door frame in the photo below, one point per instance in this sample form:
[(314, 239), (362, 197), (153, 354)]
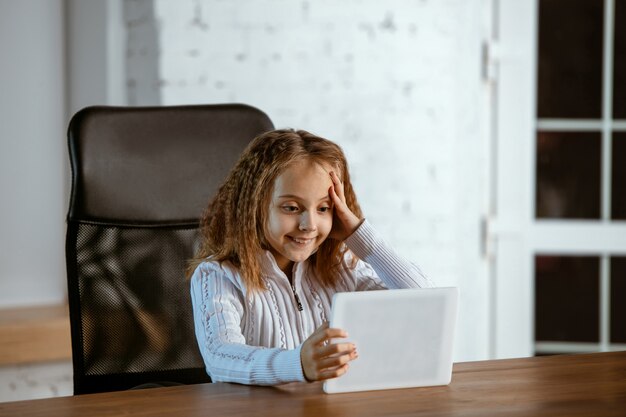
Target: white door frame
[(512, 215), (513, 231)]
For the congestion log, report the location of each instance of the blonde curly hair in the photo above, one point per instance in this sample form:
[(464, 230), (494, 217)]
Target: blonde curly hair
[(233, 225)]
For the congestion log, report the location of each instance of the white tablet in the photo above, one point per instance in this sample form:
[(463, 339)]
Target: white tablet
[(404, 338)]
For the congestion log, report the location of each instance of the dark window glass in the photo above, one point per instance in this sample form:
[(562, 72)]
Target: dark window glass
[(570, 58), (619, 61), (618, 299), (566, 298), (568, 175), (618, 177)]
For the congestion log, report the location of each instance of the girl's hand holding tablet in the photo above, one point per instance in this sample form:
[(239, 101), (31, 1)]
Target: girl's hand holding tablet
[(322, 359)]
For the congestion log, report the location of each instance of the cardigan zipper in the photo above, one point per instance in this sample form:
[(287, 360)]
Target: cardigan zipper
[(295, 295)]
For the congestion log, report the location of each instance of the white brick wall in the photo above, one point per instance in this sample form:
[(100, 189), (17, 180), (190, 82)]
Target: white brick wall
[(397, 84)]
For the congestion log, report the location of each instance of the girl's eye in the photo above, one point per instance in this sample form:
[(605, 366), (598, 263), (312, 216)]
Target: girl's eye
[(290, 209), (324, 209)]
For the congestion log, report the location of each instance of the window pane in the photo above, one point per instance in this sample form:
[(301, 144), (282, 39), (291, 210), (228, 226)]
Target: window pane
[(618, 299), (618, 178), (566, 298), (619, 61), (570, 58), (568, 175)]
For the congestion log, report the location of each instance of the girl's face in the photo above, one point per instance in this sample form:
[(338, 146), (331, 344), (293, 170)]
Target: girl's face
[(300, 214)]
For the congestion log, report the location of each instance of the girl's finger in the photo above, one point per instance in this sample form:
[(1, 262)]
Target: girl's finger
[(338, 186), (332, 373), (324, 333), (336, 199), (335, 349), (336, 361)]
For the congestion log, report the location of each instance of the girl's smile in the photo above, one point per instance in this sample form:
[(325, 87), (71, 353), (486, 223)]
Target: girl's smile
[(301, 241), (301, 213)]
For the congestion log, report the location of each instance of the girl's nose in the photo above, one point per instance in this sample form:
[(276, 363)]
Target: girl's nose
[(307, 222)]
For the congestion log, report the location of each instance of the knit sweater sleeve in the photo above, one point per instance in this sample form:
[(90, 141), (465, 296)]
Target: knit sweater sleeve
[(217, 309), (384, 268)]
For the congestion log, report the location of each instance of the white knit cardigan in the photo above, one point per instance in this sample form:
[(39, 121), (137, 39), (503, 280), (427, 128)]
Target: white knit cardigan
[(257, 340)]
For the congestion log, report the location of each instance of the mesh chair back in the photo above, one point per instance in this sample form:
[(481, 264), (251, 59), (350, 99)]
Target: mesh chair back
[(141, 177)]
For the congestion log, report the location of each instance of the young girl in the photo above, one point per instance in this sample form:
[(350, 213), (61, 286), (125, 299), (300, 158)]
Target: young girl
[(282, 235)]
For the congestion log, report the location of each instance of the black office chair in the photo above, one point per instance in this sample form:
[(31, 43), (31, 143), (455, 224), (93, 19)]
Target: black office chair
[(141, 177)]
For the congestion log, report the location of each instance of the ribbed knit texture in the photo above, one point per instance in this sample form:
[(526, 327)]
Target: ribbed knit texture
[(257, 340)]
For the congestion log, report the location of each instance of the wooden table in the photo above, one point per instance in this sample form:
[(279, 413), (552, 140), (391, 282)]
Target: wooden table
[(571, 385)]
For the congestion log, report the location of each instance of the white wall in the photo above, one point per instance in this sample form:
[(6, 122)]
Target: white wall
[(32, 152), (56, 57), (33, 177), (96, 58), (396, 83)]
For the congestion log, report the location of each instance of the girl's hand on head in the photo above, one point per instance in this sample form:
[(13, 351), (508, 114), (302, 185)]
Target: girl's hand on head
[(324, 360), (344, 221)]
